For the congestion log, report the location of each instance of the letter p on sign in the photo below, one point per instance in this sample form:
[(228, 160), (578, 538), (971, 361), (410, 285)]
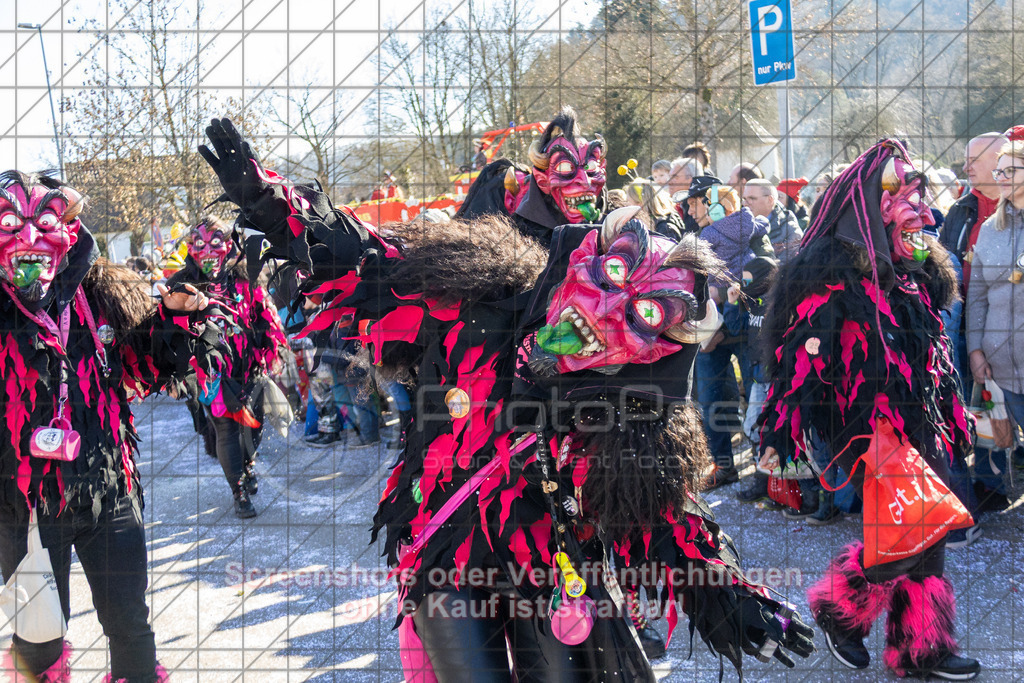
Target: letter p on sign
[(769, 20)]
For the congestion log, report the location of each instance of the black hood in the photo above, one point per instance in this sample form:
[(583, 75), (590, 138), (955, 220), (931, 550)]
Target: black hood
[(850, 209)]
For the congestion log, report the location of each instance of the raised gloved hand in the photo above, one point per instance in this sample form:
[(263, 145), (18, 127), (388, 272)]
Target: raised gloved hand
[(771, 628), (233, 163)]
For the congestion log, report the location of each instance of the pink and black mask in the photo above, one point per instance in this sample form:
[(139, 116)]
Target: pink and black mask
[(210, 247), (38, 226), (573, 174), (626, 298), (905, 212)]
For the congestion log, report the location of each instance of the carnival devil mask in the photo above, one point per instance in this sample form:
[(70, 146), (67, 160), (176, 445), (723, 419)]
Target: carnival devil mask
[(572, 173), (626, 298), (210, 246), (905, 212), (38, 225)]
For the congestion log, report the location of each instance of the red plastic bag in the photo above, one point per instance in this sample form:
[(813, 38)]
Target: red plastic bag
[(784, 491), (907, 507)]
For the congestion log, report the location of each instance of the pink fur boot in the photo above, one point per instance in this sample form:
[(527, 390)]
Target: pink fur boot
[(845, 605), (58, 672), (919, 632)]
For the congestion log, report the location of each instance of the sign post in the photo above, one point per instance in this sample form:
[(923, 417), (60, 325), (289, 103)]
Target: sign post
[(771, 42)]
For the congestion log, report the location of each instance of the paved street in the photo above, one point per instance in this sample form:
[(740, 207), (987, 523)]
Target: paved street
[(297, 594)]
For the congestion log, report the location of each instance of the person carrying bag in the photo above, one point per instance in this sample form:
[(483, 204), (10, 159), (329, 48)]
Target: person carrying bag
[(30, 599)]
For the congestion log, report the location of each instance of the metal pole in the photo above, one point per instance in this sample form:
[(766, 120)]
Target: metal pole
[(782, 94), (49, 92)]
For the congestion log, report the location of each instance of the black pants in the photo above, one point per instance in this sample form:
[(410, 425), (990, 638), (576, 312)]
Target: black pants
[(233, 451), (112, 551), (472, 648)]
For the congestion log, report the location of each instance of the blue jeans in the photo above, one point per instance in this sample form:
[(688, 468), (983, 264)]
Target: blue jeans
[(719, 395), (365, 411), (399, 394)]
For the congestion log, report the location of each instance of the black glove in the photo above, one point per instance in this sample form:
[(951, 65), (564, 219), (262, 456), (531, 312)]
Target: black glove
[(765, 633), (233, 163)]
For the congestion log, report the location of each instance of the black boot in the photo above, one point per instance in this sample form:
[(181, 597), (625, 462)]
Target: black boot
[(249, 481), (828, 512), (808, 501), (243, 506), (650, 639), (757, 490), (955, 668), (919, 639), (845, 605), (845, 645)]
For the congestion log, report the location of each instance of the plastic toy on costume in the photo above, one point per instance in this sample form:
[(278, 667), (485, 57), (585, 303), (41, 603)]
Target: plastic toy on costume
[(860, 357), (552, 436), (229, 421), (81, 339), (565, 183)]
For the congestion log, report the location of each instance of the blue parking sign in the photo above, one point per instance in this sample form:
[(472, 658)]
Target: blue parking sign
[(771, 38)]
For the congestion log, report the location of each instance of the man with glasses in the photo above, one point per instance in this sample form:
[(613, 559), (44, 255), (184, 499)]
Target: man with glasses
[(761, 197), (959, 234)]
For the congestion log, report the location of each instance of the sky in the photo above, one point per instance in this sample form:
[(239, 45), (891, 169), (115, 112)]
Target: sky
[(249, 47)]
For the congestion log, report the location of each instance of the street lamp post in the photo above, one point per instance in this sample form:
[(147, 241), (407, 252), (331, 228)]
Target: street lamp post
[(49, 91)]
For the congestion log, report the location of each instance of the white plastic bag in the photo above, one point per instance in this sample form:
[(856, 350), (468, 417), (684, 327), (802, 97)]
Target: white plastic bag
[(276, 408), (30, 599), (994, 427)]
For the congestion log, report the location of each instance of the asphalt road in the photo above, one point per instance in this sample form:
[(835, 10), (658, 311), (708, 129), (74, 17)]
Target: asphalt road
[(299, 594)]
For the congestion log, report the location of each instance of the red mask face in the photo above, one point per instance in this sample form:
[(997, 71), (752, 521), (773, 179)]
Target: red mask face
[(209, 248), (34, 239), (906, 214), (613, 307), (574, 178)]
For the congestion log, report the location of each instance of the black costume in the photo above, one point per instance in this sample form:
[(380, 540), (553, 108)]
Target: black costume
[(465, 311), (119, 348)]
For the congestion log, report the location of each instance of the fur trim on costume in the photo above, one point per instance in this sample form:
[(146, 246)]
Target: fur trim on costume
[(846, 594), (118, 294), (58, 672), (919, 632), (160, 673)]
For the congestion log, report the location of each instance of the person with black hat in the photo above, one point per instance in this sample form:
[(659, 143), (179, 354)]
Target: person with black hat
[(730, 230), (744, 316)]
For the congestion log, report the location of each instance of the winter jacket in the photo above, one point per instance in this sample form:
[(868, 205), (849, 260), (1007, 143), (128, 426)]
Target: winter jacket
[(957, 226), (730, 239), (784, 232), (995, 306)]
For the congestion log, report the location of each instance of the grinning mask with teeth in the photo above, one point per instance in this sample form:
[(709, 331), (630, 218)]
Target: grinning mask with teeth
[(38, 226), (210, 246), (624, 300), (569, 169), (574, 177), (905, 212)]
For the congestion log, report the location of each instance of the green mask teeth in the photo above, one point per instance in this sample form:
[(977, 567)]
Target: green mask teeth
[(589, 211), (27, 273), (560, 339), (920, 254)]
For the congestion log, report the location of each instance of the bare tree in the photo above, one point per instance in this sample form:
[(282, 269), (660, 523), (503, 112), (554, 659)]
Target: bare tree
[(315, 118), (134, 131)]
